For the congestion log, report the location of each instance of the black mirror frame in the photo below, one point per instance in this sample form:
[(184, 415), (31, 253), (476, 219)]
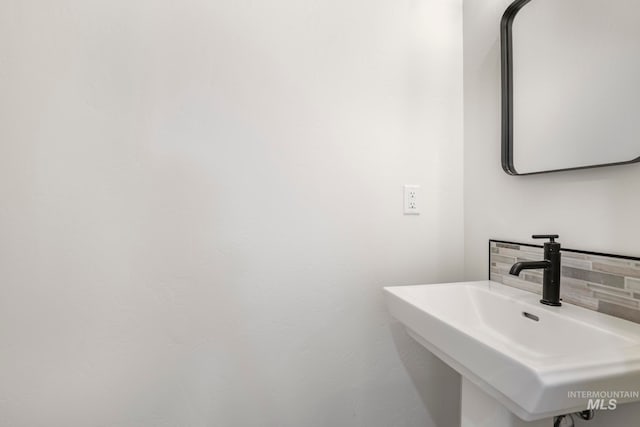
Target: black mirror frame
[(506, 44)]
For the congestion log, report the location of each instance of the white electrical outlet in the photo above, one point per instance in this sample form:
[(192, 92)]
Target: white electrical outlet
[(412, 200)]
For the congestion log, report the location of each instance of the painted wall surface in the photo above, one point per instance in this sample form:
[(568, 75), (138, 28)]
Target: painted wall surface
[(593, 209), (200, 202)]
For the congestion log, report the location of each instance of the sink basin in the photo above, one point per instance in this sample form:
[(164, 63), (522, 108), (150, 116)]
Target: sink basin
[(526, 355)]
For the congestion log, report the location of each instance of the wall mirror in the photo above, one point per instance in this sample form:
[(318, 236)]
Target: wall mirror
[(570, 84)]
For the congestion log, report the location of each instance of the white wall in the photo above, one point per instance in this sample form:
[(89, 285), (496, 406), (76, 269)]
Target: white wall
[(594, 209), (200, 203)]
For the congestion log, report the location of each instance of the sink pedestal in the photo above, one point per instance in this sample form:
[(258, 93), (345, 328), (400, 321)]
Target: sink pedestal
[(478, 409)]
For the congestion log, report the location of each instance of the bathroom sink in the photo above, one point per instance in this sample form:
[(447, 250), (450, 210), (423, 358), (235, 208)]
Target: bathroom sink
[(527, 356)]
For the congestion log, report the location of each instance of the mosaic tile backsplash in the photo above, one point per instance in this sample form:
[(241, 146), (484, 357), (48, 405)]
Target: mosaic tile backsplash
[(607, 284)]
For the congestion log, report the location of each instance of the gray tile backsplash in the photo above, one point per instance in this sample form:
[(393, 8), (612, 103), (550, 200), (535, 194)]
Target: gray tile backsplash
[(608, 284), (593, 276)]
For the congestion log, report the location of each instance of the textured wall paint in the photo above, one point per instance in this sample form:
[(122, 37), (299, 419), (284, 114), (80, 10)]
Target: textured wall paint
[(201, 200), (593, 209)]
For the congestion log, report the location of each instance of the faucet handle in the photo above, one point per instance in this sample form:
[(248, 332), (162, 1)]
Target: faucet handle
[(551, 237)]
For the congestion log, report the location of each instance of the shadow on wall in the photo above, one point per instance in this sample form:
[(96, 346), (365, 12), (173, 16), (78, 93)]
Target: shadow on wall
[(436, 383)]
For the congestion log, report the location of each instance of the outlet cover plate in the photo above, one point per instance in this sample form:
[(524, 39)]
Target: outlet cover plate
[(411, 199)]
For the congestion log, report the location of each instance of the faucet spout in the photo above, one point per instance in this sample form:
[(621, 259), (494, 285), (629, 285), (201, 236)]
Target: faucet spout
[(529, 265)]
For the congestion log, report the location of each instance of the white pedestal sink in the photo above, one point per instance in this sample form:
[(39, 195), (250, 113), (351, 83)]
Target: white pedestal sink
[(521, 361)]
